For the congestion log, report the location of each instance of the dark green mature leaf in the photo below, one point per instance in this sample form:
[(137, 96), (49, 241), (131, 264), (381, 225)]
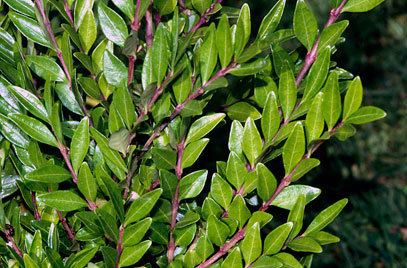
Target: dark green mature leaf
[(243, 30), (164, 158), (252, 144), (361, 5), (221, 191), (203, 126), (87, 183), (193, 151), (305, 24), (182, 87), (331, 34), (160, 53), (241, 111), (132, 255), (275, 239), (251, 245), (251, 68), (12, 133), (235, 170), (287, 92), (317, 74), (134, 233), (114, 70), (62, 200), (142, 206), (270, 21), (165, 6), (34, 128), (325, 217), (270, 120), (49, 174), (113, 26), (83, 257), (224, 43), (314, 121), (30, 29), (366, 115), (287, 198), (305, 244), (217, 231), (30, 102), (353, 98), (67, 98), (331, 105), (46, 68), (80, 144), (192, 184), (294, 148), (208, 55), (124, 103), (344, 132), (266, 182), (25, 7)]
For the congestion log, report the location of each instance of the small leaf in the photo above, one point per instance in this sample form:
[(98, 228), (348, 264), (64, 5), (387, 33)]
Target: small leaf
[(114, 70), (224, 43), (314, 121), (49, 174), (241, 111), (353, 98), (252, 68), (34, 128), (235, 170), (317, 75), (270, 120), (46, 68), (87, 183), (192, 184), (275, 239), (193, 151), (88, 31), (142, 206), (25, 7), (203, 126), (113, 26), (305, 24), (271, 20), (366, 115), (30, 29), (62, 200), (330, 35), (361, 6), (133, 234), (243, 30), (201, 5), (164, 158), (165, 6), (217, 230), (294, 148), (84, 256), (288, 260), (221, 191), (132, 255), (331, 105), (160, 53), (124, 103), (12, 133), (287, 198), (265, 262), (235, 137), (296, 216), (239, 211), (266, 182), (67, 98), (251, 245), (287, 92), (81, 9), (325, 217), (304, 167), (344, 132), (208, 55), (183, 85), (80, 144), (305, 244), (30, 102), (126, 6), (252, 144), (234, 259)]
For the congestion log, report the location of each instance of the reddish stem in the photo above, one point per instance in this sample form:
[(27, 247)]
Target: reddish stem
[(119, 247), (135, 25), (37, 215), (149, 28), (7, 236), (69, 231), (205, 16), (132, 60), (312, 54), (69, 13)]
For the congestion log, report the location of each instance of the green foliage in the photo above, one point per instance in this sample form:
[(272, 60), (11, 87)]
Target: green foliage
[(103, 120)]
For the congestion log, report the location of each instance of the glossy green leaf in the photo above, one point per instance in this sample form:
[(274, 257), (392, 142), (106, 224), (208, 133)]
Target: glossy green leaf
[(304, 167), (287, 198), (203, 126), (288, 260), (305, 24), (271, 20), (49, 174), (160, 53), (82, 7), (243, 30), (235, 170), (124, 103), (193, 151), (46, 68), (241, 111), (252, 144), (331, 105), (25, 7), (331, 35), (30, 29), (126, 6), (208, 55), (324, 238), (224, 43), (366, 115), (305, 244), (184, 236), (164, 158), (113, 26), (266, 182), (34, 128), (165, 6), (314, 121), (217, 230), (62, 200), (251, 68), (235, 137), (270, 120), (201, 5), (90, 87), (251, 245), (114, 70), (142, 206), (275, 239), (221, 191), (86, 182), (192, 184), (325, 217), (67, 98), (84, 256), (265, 262), (294, 148), (134, 233), (239, 211), (296, 216), (353, 98), (132, 255), (234, 259), (287, 92), (317, 74), (80, 144), (183, 85), (30, 102), (88, 31), (12, 133), (361, 5)]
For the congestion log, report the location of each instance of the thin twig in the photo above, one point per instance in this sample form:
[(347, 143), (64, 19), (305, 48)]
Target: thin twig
[(135, 25), (7, 236), (68, 229), (149, 28), (205, 16), (119, 248), (37, 215), (69, 13)]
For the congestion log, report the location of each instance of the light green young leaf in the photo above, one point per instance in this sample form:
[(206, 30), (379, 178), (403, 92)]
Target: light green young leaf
[(305, 24), (142, 206), (270, 21), (224, 43), (314, 121), (243, 30), (251, 245), (62, 200), (288, 260), (132, 255), (317, 74), (239, 211), (235, 170), (133, 234), (266, 182), (324, 238), (304, 167), (25, 7), (161, 53), (165, 6), (331, 105), (49, 174), (124, 103), (126, 6), (275, 239), (113, 26), (234, 259), (325, 217), (252, 144), (287, 92), (266, 262), (353, 98), (270, 120), (193, 151), (208, 55), (305, 244), (246, 69), (88, 31), (366, 115), (235, 137), (34, 128), (86, 182), (201, 5), (296, 216), (29, 102), (217, 231), (114, 70), (361, 5), (330, 35), (241, 111), (203, 126), (183, 85), (221, 191), (80, 144), (30, 29), (192, 184), (46, 68), (294, 148), (81, 8), (287, 198)]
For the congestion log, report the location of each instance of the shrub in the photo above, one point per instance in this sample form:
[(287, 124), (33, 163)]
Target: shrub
[(98, 157)]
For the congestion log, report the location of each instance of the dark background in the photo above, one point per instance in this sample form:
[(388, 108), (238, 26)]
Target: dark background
[(369, 168)]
